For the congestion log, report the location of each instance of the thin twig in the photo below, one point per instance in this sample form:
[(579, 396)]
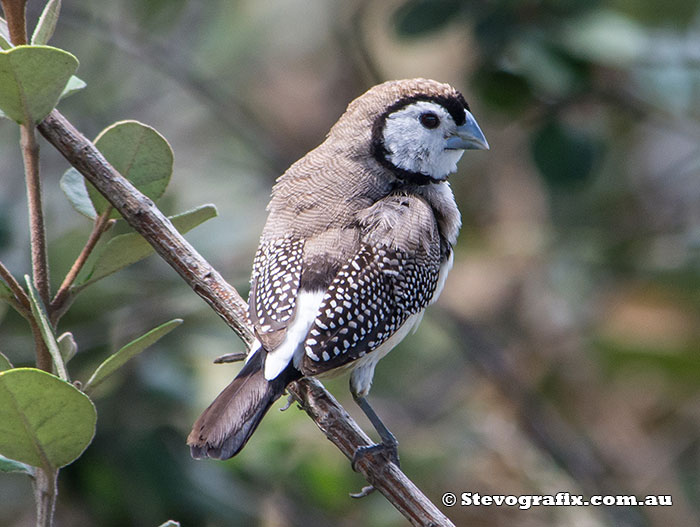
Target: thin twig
[(43, 357), (13, 284), (45, 490), (40, 265), (17, 24), (145, 218), (16, 20), (57, 306), (37, 232)]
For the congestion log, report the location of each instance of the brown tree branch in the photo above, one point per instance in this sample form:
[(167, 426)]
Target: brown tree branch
[(145, 218), (377, 469), (142, 214)]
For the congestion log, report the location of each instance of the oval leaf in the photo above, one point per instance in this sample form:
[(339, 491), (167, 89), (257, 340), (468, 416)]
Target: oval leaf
[(44, 421), (133, 348), (73, 186), (67, 346), (47, 22), (32, 79), (138, 153), (126, 249)]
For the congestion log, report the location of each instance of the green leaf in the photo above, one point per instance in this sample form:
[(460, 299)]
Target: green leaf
[(503, 90), (44, 421), (565, 156), (73, 186), (45, 327), (416, 17), (32, 79), (5, 363), (140, 154), (67, 346), (75, 84), (126, 249), (10, 465), (47, 23), (133, 348)]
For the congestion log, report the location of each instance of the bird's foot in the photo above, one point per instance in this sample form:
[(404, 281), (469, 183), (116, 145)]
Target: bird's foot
[(389, 449)]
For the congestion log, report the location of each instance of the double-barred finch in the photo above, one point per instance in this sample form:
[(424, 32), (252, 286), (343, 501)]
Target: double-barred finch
[(358, 242)]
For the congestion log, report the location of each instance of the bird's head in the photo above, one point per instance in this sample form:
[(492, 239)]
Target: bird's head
[(419, 128)]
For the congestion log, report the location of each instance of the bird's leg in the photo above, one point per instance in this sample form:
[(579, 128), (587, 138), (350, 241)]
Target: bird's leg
[(389, 444)]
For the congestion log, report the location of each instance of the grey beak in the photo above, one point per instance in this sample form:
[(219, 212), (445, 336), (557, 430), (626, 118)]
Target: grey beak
[(468, 136)]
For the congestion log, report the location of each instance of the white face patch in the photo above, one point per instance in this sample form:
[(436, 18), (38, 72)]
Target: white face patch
[(413, 146)]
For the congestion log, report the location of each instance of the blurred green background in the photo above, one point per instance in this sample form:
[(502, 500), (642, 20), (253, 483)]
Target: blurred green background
[(564, 354)]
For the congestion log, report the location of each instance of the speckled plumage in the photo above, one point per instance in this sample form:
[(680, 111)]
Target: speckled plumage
[(363, 239), (392, 276)]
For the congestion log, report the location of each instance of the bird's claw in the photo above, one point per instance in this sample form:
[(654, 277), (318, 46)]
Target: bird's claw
[(390, 450), (290, 400), (365, 491)]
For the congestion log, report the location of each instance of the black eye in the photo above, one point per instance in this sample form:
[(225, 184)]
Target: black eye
[(429, 120)]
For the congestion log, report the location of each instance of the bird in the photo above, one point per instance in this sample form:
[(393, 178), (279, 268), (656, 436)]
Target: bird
[(358, 242)]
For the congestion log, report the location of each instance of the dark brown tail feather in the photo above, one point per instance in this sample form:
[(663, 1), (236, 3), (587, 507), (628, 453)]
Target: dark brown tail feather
[(226, 425)]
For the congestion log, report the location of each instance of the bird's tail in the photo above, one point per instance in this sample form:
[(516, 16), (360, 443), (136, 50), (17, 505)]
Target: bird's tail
[(226, 425)]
